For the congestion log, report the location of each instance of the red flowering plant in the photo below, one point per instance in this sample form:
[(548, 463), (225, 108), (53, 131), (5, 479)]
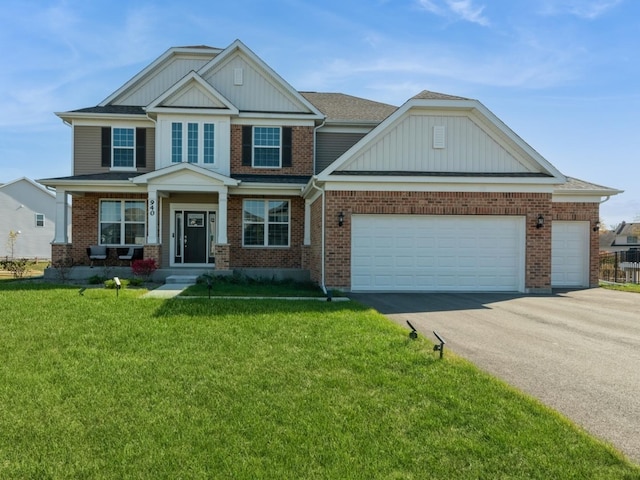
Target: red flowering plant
[(144, 268)]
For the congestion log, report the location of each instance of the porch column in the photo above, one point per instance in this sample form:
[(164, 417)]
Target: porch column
[(62, 219), (154, 211), (222, 217), (307, 222)]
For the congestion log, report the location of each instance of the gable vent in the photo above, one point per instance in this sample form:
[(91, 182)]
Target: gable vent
[(238, 76), (438, 136)]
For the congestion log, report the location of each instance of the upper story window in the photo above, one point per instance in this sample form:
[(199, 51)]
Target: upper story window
[(632, 239), (124, 147), (266, 147), (199, 139), (39, 219)]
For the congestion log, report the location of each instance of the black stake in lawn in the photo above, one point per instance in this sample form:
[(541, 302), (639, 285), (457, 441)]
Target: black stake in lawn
[(440, 347), (209, 287), (413, 334)]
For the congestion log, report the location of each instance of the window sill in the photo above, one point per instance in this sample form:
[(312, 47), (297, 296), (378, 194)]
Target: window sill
[(123, 169)]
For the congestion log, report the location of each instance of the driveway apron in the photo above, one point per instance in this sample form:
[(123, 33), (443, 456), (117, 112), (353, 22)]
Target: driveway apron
[(576, 351)]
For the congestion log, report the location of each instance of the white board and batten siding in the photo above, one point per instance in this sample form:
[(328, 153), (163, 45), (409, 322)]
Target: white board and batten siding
[(570, 254), (439, 143), (437, 253)]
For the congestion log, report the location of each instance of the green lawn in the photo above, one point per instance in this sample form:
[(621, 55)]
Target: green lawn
[(624, 287), (93, 386)]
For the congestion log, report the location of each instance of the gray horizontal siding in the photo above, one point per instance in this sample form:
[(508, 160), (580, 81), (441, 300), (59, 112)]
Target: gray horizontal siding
[(330, 146), (87, 151)]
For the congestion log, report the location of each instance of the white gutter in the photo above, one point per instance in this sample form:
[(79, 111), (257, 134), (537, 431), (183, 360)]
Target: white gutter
[(315, 142), (322, 285)]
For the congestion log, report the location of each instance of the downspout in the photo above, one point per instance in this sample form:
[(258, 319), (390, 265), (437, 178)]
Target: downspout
[(322, 285)]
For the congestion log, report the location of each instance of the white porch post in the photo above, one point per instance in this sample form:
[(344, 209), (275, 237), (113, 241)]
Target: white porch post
[(62, 220), (154, 212), (222, 217), (307, 222)]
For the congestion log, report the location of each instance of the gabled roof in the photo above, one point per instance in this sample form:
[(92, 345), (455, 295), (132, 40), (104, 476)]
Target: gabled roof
[(209, 97), (182, 168), (338, 108), (574, 186), (41, 188), (628, 229), (516, 157)]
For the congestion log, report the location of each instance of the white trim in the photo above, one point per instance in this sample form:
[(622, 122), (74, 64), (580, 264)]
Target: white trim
[(273, 119), (99, 119), (267, 189), (266, 223), (123, 222), (206, 207), (402, 184), (270, 147)]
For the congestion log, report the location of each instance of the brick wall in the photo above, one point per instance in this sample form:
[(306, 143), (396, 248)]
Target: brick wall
[(530, 205), (256, 257), (301, 154), (583, 212)]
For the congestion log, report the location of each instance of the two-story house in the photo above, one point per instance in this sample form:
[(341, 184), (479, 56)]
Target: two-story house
[(208, 158)]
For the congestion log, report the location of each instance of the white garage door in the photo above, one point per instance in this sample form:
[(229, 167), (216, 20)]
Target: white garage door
[(570, 254), (437, 253)]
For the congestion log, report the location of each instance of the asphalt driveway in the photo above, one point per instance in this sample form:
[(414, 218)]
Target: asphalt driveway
[(577, 351)]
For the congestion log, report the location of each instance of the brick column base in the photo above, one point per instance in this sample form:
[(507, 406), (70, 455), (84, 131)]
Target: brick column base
[(155, 252), (222, 257), (61, 255)]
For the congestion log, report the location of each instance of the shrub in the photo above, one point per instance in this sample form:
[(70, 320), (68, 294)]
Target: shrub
[(17, 266), (111, 283), (96, 280), (144, 268)]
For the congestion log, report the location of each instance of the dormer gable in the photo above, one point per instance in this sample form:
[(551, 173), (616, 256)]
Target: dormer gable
[(191, 92), (160, 75), (251, 85)]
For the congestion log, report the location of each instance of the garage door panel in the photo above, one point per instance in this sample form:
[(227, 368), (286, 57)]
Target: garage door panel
[(459, 253), (570, 254)]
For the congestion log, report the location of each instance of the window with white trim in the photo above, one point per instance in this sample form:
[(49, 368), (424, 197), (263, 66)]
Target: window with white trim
[(39, 219), (266, 147), (265, 223), (124, 147), (122, 222), (199, 139)]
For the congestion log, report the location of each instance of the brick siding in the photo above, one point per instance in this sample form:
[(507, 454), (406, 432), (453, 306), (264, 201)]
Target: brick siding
[(301, 154)]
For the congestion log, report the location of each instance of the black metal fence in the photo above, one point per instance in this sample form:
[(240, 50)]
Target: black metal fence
[(620, 267)]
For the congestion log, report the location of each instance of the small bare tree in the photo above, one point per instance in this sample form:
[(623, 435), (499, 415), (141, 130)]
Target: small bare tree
[(12, 239)]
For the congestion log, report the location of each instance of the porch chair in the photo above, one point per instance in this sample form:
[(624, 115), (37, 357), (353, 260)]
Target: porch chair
[(133, 253), (96, 252)]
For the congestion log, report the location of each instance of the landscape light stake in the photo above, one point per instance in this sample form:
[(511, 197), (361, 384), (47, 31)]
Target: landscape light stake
[(440, 347), (118, 285), (209, 287), (413, 334)]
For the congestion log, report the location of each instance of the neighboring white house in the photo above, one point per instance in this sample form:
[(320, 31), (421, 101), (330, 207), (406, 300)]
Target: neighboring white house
[(28, 209)]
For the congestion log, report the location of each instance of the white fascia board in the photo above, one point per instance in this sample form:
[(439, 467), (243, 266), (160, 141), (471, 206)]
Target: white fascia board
[(267, 189), (274, 119), (344, 128), (114, 121), (452, 185), (82, 118), (154, 65), (104, 186), (190, 111), (278, 81)]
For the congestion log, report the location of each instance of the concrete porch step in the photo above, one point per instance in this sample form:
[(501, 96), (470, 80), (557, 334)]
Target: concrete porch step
[(181, 279)]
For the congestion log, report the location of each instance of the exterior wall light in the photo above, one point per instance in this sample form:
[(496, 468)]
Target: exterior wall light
[(340, 219), (596, 226), (540, 221)]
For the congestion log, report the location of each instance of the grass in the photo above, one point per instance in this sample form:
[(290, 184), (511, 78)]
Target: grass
[(624, 287), (94, 386), (236, 285), (35, 270)]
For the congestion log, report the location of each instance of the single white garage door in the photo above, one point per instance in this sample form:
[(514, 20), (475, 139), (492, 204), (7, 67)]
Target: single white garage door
[(437, 253), (570, 254)]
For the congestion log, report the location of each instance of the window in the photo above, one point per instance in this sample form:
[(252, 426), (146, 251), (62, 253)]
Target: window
[(209, 142), (39, 219), (632, 239), (192, 143), (122, 222), (176, 142), (199, 139), (265, 223), (123, 147), (266, 147)]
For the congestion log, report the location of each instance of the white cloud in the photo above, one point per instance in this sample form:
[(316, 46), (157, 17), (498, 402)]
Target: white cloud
[(587, 9), (459, 9)]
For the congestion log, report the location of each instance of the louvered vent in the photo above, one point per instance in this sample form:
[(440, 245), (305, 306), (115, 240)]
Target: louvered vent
[(438, 136), (238, 75)]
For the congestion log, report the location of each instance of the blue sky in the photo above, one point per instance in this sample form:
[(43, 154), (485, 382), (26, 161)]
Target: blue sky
[(563, 74)]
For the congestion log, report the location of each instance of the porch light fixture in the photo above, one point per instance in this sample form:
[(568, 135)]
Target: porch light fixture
[(340, 219), (596, 226), (540, 221)]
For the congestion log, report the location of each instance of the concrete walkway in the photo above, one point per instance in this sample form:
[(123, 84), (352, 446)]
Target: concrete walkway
[(168, 290)]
